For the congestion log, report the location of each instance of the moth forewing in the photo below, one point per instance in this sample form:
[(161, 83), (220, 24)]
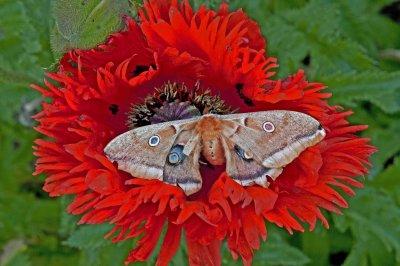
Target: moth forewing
[(136, 154), (275, 138)]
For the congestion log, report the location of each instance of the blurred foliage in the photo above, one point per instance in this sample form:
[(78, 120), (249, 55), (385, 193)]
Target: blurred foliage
[(351, 46)]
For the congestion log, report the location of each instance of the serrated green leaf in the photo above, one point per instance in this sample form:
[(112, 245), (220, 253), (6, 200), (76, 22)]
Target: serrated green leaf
[(16, 159), (19, 45), (110, 255), (20, 260), (47, 250), (362, 22), (373, 220), (260, 10), (22, 214), (383, 130), (42, 24), (89, 237), (209, 3), (316, 245), (384, 139), (380, 88), (389, 180), (294, 34), (68, 222), (83, 24), (276, 251)]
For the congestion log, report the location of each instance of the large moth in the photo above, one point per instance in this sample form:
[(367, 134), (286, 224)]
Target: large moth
[(252, 145)]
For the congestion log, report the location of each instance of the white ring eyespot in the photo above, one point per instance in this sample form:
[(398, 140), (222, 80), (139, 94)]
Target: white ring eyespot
[(268, 127), (154, 140)]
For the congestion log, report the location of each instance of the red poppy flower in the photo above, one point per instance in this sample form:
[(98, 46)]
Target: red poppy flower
[(222, 52)]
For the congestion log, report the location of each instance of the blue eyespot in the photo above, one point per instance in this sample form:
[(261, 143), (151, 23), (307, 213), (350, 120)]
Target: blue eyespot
[(176, 155), (173, 158), (154, 141)]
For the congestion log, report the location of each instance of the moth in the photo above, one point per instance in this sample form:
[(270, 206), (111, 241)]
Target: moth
[(252, 145)]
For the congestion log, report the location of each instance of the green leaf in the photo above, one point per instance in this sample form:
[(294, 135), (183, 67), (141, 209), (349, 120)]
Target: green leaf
[(110, 255), (89, 237), (20, 260), (20, 45), (16, 159), (382, 130), (361, 21), (42, 25), (380, 88), (95, 250), (261, 9), (276, 251), (387, 148), (83, 24), (68, 222), (210, 3), (294, 34), (24, 215), (316, 245), (373, 220), (389, 180), (47, 250)]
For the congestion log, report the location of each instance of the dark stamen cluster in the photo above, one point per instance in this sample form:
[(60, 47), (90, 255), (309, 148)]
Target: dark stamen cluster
[(175, 101)]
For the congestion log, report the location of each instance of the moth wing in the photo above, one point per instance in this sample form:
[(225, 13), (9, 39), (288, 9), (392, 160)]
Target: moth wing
[(134, 154), (273, 139), (185, 172), (244, 169)]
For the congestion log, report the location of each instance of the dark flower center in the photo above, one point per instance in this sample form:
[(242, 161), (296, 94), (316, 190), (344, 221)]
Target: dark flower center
[(175, 102)]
